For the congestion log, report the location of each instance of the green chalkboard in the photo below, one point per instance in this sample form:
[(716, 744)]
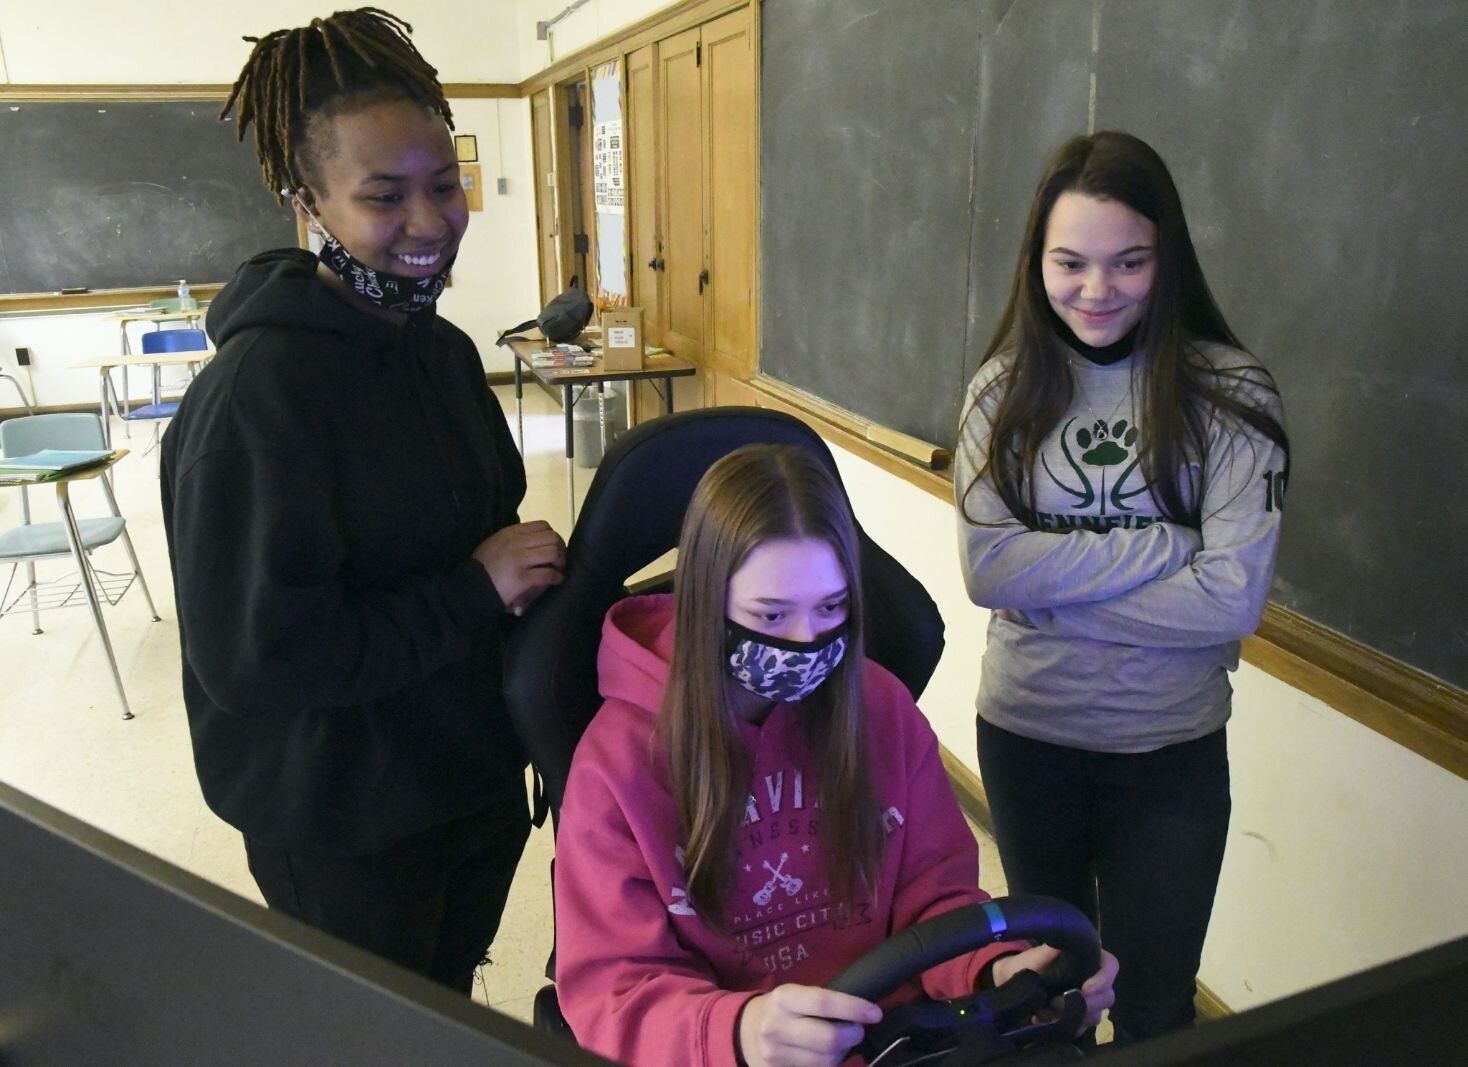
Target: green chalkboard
[(118, 194), (1320, 153)]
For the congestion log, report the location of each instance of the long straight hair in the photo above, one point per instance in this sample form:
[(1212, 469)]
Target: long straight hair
[(748, 497), (1181, 390)]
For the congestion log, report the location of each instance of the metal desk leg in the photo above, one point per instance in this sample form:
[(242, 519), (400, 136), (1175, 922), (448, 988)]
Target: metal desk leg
[(519, 406), (30, 574), (601, 414), (127, 543), (667, 396), (570, 458), (25, 401), (106, 421), (127, 405), (84, 574)]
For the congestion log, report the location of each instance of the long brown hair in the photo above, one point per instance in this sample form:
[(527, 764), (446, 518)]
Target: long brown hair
[(1181, 388), (295, 80), (748, 497)]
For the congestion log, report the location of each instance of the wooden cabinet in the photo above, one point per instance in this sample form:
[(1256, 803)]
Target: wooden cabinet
[(680, 186), (702, 239), (646, 249), (730, 198)]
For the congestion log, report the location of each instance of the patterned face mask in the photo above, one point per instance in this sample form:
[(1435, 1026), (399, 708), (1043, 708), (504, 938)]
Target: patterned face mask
[(394, 292), (773, 669)]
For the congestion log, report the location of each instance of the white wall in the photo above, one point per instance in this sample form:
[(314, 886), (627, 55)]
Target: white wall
[(107, 42), (496, 277), (584, 26), (99, 41), (1345, 850)]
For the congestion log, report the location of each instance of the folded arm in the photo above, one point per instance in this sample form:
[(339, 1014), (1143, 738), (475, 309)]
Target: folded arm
[(1008, 565), (1220, 595)]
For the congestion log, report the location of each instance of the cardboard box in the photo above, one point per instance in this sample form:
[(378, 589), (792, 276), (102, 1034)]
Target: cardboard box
[(621, 337)]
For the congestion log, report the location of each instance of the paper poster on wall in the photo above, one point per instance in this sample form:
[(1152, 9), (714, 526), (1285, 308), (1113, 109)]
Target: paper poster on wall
[(609, 181), (607, 174)]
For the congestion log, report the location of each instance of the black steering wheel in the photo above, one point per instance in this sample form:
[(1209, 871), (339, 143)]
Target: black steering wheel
[(981, 1026)]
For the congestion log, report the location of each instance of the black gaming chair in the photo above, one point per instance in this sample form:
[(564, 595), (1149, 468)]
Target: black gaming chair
[(631, 517)]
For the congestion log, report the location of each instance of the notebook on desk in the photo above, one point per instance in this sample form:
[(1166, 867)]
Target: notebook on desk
[(48, 463)]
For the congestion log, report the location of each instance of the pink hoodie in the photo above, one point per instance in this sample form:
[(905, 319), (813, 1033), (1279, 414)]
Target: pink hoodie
[(640, 978)]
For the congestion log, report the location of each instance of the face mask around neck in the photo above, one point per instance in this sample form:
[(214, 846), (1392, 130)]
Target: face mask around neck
[(391, 292), (778, 670)]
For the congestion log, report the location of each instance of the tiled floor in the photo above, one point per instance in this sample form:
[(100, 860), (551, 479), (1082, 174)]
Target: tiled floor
[(63, 740)]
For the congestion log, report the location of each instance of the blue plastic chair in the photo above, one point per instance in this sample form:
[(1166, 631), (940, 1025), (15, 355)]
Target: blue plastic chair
[(31, 542), (158, 409), (175, 341)]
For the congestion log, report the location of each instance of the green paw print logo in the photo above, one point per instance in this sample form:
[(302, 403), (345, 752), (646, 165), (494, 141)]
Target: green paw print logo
[(1092, 478), (1106, 452)]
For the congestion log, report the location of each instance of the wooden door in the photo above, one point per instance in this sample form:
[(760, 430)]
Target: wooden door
[(730, 194), (543, 156), (642, 199), (568, 132), (588, 258), (680, 169)]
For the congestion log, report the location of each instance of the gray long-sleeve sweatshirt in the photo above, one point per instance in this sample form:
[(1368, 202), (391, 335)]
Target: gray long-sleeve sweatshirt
[(1118, 627)]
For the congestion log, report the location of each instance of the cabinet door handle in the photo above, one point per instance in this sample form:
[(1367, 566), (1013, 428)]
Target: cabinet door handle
[(703, 280)]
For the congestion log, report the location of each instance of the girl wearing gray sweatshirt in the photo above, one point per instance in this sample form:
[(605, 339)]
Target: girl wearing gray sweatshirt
[(1121, 472)]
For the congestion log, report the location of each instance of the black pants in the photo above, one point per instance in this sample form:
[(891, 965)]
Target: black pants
[(1133, 840), (431, 903)]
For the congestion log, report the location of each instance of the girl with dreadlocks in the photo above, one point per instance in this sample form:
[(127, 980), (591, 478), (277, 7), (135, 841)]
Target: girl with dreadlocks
[(339, 493), (1121, 470)]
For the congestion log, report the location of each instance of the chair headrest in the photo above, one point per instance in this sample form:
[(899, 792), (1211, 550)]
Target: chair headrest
[(648, 480)]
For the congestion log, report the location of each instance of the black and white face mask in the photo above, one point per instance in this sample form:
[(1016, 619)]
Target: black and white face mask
[(392, 292), (778, 670)]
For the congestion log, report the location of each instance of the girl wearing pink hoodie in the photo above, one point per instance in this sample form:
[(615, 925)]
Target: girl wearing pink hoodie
[(755, 805)]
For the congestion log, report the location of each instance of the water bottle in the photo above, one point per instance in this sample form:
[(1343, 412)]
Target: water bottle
[(185, 301)]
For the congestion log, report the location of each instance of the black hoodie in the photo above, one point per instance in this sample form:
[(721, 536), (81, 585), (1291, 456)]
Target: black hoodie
[(324, 484)]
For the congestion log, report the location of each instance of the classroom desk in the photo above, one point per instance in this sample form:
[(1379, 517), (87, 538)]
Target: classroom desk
[(155, 360), (573, 383), (87, 580), (157, 316)]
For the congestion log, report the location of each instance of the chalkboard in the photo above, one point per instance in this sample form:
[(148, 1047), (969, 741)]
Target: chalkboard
[(1318, 147), (118, 194)]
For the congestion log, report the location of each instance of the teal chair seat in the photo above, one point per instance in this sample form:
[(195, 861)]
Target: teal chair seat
[(49, 538)]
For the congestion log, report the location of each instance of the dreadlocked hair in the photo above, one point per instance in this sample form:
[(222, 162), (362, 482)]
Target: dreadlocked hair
[(294, 76)]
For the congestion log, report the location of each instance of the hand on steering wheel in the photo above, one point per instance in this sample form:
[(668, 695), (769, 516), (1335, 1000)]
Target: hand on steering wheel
[(803, 1026), (1075, 981), (1097, 989)]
